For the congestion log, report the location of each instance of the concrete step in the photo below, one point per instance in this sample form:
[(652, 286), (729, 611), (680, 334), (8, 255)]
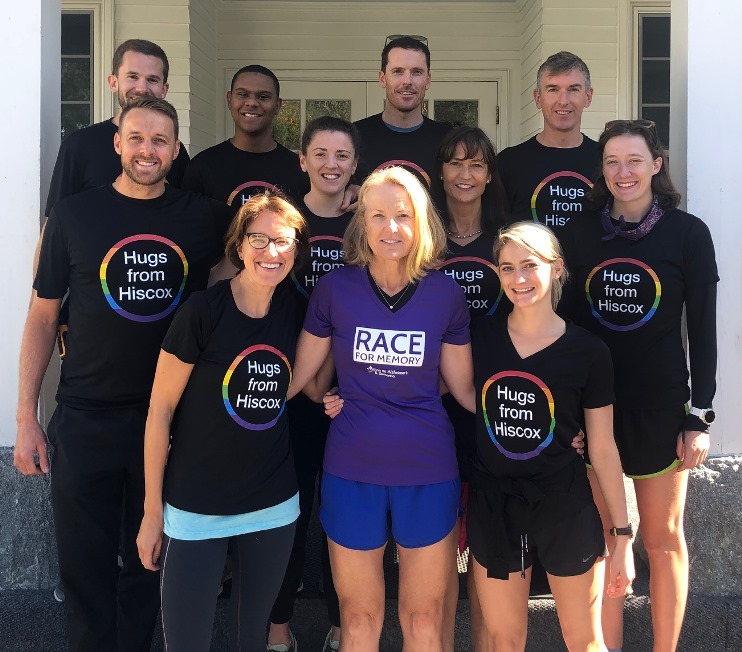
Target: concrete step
[(32, 621)]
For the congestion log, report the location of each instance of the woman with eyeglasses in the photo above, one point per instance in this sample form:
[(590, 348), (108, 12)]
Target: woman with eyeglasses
[(329, 155), (395, 326), (219, 473), (638, 264)]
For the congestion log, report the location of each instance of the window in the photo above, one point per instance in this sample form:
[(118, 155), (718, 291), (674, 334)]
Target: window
[(654, 72), (77, 71)]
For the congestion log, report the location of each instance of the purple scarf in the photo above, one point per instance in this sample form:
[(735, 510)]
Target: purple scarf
[(639, 231)]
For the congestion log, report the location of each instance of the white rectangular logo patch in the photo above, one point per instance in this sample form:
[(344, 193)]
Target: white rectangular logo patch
[(387, 347)]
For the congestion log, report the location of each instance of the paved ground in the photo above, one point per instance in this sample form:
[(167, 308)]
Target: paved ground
[(32, 621)]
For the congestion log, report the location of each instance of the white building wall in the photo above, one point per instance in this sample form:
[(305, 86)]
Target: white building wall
[(713, 97), (206, 96), (29, 131)]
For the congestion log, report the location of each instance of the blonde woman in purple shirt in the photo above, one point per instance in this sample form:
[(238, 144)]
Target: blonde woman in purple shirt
[(395, 325)]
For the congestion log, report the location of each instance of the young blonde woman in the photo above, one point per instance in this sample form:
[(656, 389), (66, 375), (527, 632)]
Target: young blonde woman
[(538, 379)]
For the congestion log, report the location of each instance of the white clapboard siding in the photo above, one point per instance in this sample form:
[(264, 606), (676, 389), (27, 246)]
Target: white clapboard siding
[(314, 40)]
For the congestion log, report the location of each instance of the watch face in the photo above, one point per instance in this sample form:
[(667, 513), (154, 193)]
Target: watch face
[(709, 417)]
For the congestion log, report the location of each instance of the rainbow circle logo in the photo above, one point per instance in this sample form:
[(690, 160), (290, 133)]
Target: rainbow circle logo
[(551, 177), (142, 237), (317, 238), (252, 184), (657, 293), (406, 164), (480, 261), (230, 373), (549, 400)]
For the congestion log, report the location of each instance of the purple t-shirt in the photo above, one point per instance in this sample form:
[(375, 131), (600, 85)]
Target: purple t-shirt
[(393, 429)]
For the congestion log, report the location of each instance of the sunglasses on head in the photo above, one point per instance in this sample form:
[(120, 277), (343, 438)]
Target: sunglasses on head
[(394, 37), (649, 125)]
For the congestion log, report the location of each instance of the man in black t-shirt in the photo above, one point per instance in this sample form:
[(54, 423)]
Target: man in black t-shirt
[(251, 161), (547, 177), (125, 274), (87, 158), (401, 134)]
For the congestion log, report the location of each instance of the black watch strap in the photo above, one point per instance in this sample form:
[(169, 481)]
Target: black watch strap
[(627, 531)]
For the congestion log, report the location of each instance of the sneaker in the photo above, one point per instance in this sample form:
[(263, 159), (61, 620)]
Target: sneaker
[(293, 646), (330, 645)]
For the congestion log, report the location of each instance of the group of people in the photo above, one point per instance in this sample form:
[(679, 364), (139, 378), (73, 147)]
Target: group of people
[(474, 330)]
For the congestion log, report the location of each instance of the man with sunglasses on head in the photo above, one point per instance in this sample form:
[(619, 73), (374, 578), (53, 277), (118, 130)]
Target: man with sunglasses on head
[(401, 134), (547, 177)]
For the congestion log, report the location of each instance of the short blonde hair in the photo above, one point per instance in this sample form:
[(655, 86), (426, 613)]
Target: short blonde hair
[(428, 240), (247, 214), (542, 243)]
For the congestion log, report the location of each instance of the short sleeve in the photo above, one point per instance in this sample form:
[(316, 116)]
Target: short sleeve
[(53, 273), (318, 318), (192, 179), (189, 331), (223, 215), (458, 324), (63, 177), (598, 391)]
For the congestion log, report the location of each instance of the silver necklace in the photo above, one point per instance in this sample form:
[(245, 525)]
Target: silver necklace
[(463, 237), (384, 295)]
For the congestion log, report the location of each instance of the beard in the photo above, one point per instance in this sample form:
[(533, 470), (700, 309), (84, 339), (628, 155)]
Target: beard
[(124, 100), (131, 171)]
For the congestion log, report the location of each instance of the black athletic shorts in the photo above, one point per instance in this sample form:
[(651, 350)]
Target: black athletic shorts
[(647, 440), (567, 546)]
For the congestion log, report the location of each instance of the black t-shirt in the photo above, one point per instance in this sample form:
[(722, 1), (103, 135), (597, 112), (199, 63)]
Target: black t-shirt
[(230, 437), (548, 184), (87, 160), (382, 146), (126, 275), (529, 410), (632, 293), (471, 266), (325, 249), (232, 175)]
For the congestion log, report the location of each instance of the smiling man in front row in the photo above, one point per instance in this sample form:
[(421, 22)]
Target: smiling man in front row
[(125, 274)]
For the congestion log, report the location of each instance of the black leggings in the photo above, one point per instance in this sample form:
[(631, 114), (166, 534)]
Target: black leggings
[(192, 572)]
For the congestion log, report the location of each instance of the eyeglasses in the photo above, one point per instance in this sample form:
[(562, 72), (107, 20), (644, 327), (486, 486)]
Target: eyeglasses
[(394, 37), (261, 241), (649, 125)]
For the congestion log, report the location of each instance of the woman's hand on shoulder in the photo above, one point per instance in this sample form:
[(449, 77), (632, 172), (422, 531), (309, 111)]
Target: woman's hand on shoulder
[(333, 403), (692, 449)]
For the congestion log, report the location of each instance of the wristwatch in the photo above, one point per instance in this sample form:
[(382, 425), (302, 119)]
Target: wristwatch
[(627, 531), (707, 415)]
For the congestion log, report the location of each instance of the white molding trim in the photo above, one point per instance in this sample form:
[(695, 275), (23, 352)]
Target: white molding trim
[(103, 13)]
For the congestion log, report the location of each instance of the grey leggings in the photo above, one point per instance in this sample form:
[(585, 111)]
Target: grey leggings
[(191, 574)]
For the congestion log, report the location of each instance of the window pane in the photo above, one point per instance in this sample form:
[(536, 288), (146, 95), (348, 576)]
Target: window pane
[(76, 80), (76, 33), (335, 108), (457, 112), (287, 126), (656, 82), (74, 117), (661, 115), (655, 36)]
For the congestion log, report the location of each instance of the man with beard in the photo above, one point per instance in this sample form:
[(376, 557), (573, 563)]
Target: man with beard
[(125, 274), (86, 158), (401, 134)]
